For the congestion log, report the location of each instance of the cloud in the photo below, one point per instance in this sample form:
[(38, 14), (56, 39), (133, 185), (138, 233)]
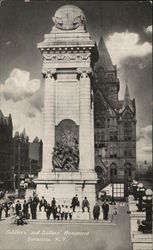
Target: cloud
[(37, 99), (24, 115), (23, 98), (144, 144), (19, 85), (125, 44), (148, 29)]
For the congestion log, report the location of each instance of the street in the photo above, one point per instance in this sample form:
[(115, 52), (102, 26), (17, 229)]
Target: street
[(67, 236)]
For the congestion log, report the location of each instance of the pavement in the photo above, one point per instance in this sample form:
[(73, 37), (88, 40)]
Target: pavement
[(44, 235)]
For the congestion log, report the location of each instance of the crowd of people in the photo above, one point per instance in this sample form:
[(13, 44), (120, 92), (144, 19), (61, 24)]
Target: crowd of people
[(29, 208)]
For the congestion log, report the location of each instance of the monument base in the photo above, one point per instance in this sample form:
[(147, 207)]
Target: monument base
[(65, 185)]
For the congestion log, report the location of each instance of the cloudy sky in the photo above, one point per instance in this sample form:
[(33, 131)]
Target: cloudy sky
[(126, 27)]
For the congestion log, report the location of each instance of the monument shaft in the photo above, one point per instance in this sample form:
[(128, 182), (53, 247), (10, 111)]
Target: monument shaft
[(68, 144)]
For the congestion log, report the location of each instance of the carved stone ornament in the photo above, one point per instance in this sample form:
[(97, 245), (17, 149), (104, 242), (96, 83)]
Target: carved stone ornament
[(84, 70), (66, 57), (66, 153), (69, 17), (48, 72)]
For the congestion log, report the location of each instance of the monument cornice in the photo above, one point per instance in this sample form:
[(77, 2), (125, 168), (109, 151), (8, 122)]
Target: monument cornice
[(52, 44)]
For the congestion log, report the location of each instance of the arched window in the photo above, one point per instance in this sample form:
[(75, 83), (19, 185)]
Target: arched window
[(128, 169), (113, 169), (103, 122), (100, 122)]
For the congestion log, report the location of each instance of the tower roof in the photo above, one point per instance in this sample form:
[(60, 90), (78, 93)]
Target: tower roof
[(126, 96), (104, 57), (24, 133), (127, 100)]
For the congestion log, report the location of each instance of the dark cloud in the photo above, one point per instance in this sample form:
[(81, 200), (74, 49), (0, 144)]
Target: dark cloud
[(24, 24)]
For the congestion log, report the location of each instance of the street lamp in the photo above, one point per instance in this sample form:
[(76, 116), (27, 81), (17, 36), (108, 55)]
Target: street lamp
[(140, 193), (146, 225)]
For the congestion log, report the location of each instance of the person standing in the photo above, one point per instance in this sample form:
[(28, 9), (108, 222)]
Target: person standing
[(85, 203), (6, 208), (70, 212), (25, 209), (54, 209), (53, 202), (66, 212), (48, 211), (33, 207), (18, 208), (96, 211), (1, 209), (105, 208), (62, 212), (75, 202), (43, 203), (58, 212)]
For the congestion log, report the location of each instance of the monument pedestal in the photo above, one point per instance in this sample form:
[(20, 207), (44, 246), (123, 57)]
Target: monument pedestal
[(65, 185)]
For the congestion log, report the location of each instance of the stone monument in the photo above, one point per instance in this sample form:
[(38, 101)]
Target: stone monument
[(68, 141)]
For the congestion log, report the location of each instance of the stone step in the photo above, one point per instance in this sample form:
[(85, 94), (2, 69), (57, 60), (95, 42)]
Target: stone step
[(51, 221), (81, 216)]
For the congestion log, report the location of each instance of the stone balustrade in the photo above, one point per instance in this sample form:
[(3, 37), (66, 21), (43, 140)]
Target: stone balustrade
[(139, 240)]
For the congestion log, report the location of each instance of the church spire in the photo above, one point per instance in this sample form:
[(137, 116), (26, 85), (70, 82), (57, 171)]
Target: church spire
[(127, 100), (104, 61), (126, 95), (24, 133)]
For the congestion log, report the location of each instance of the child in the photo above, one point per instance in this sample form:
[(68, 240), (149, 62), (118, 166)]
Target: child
[(62, 212), (66, 212), (70, 212), (58, 212)]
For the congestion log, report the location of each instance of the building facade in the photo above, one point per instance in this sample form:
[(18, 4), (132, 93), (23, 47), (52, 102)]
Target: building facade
[(114, 127), (6, 129), (20, 156), (27, 156), (35, 156)]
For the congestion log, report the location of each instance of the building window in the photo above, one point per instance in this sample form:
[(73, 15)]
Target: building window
[(113, 170), (99, 135), (118, 190), (100, 122), (113, 152), (113, 135), (128, 153), (127, 131), (128, 169), (129, 172)]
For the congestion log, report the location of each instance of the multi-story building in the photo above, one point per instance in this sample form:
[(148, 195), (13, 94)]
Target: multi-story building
[(35, 156), (115, 127), (20, 155), (6, 129), (27, 156)]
